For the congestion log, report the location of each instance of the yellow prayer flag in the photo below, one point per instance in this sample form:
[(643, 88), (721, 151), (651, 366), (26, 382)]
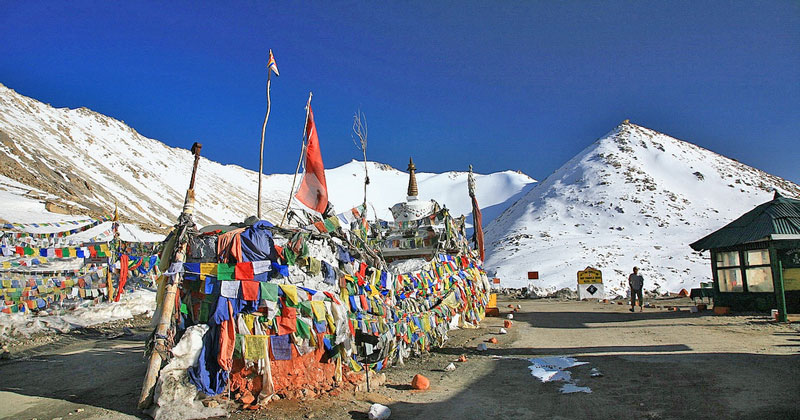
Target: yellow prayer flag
[(318, 308), (290, 291), (426, 324), (207, 269), (331, 323), (249, 320), (6, 283), (450, 301), (255, 347)]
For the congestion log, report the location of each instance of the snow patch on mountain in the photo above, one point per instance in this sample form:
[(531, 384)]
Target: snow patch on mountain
[(635, 197), (80, 162)]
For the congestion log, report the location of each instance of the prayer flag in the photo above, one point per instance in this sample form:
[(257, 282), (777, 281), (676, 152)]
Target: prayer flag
[(281, 347), (255, 347), (313, 190), (269, 291), (244, 271), (271, 65)]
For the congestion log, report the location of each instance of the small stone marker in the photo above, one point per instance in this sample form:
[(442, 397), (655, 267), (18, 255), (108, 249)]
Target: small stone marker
[(420, 382), (379, 412)]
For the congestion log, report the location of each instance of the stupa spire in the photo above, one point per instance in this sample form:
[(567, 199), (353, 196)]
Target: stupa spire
[(412, 180)]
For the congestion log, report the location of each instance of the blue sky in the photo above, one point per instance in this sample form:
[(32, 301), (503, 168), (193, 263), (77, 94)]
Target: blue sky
[(498, 84)]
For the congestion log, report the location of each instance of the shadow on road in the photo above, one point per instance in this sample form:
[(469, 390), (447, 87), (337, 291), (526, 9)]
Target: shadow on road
[(679, 386), (105, 373)]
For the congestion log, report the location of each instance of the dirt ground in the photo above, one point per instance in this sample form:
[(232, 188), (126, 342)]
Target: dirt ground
[(659, 364)]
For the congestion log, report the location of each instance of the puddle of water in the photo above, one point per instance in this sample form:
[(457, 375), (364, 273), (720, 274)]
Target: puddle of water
[(552, 369)]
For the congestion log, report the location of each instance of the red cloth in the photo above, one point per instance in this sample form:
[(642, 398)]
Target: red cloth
[(59, 253), (287, 322), (362, 272), (332, 296), (243, 271), (313, 190), (250, 289), (229, 246), (477, 223), (227, 341), (123, 275)]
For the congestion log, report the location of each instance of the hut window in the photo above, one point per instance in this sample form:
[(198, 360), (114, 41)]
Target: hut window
[(757, 257), (729, 272), (758, 273), (759, 279), (730, 280), (728, 259)]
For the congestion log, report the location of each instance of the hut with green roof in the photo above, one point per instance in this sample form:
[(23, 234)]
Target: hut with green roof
[(755, 259)]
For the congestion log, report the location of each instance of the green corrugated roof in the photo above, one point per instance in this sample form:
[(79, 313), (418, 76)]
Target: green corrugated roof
[(781, 215)]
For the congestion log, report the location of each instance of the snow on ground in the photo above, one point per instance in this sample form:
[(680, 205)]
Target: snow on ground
[(554, 369), (14, 326)]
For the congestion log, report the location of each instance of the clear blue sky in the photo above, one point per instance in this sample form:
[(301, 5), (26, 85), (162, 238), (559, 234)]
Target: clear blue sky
[(499, 84)]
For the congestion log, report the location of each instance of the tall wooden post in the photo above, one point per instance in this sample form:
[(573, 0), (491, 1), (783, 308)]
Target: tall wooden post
[(168, 306), (261, 153)]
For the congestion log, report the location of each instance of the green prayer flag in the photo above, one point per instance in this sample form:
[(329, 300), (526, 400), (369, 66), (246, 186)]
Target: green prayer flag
[(184, 309), (225, 271), (305, 308), (303, 330), (238, 346), (269, 291), (28, 250), (204, 308), (329, 226), (290, 256)]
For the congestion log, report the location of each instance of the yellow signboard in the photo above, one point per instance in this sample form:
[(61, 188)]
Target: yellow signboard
[(590, 276)]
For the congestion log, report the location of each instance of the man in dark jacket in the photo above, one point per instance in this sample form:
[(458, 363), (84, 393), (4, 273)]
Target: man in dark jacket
[(636, 282)]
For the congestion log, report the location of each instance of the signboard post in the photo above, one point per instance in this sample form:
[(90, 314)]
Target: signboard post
[(590, 284)]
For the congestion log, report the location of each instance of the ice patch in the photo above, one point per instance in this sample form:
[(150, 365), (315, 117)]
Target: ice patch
[(570, 388), (552, 369), (20, 325)]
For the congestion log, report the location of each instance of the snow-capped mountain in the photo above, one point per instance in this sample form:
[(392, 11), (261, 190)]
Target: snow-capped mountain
[(81, 162), (635, 197)]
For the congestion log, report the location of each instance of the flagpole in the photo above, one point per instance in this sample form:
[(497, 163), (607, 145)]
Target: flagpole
[(302, 154), (261, 153)]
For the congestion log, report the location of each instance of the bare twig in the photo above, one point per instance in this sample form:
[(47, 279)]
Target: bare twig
[(360, 130)]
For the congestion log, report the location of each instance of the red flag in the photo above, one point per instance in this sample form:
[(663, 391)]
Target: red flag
[(123, 275), (477, 221), (313, 190)]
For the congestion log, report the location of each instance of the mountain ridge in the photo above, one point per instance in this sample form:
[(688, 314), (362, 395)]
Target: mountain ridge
[(635, 196), (80, 161)]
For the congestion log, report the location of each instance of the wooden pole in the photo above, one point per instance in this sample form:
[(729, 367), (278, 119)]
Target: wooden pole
[(261, 153), (168, 305), (302, 153)]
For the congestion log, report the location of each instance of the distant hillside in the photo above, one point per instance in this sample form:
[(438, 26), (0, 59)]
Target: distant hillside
[(633, 197), (83, 162)]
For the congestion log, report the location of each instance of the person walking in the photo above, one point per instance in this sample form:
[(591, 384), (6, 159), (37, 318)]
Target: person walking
[(636, 283)]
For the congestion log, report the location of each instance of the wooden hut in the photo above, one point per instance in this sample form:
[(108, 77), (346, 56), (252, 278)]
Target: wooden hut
[(755, 259)]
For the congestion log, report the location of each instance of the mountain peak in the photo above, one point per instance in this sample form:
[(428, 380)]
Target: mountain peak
[(633, 197)]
